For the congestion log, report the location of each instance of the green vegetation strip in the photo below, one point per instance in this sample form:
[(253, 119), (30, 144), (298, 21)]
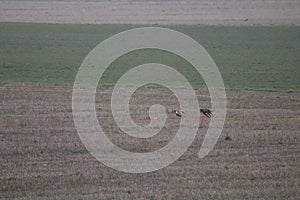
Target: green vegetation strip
[(258, 58)]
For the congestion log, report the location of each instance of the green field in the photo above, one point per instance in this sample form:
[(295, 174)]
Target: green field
[(256, 156), (259, 58)]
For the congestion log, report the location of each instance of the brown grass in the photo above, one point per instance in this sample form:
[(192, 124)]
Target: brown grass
[(212, 12), (42, 155)]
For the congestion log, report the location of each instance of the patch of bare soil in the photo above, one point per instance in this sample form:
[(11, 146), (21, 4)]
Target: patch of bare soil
[(257, 155), (212, 12)]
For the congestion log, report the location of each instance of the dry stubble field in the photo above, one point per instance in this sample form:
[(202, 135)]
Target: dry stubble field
[(257, 155)]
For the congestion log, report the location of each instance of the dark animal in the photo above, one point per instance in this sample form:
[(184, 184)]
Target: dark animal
[(206, 112)]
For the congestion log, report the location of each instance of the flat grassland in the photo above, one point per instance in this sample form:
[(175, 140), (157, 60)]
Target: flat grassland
[(257, 155), (248, 57), (217, 12)]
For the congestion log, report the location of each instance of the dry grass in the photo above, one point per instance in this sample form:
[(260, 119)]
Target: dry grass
[(257, 155), (217, 12)]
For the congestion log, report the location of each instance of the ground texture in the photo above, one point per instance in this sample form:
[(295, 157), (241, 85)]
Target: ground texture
[(257, 155), (218, 12), (41, 155)]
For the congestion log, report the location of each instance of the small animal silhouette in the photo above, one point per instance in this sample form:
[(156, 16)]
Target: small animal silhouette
[(206, 112), (178, 113)]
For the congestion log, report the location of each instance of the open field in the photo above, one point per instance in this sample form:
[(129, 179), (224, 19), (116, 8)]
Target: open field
[(257, 155), (216, 12), (265, 58)]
